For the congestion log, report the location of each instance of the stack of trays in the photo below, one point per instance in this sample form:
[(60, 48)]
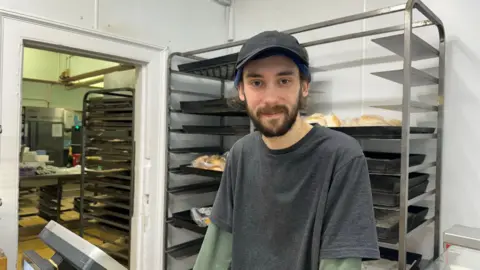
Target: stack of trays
[(384, 171), (108, 163)]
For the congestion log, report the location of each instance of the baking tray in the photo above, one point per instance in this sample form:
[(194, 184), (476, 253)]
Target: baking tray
[(188, 169), (109, 220), (393, 199), (389, 163), (203, 150), (381, 132), (195, 188), (109, 202), (109, 182), (216, 130), (184, 220), (116, 175), (391, 183), (222, 106), (222, 67), (185, 250), (119, 194), (387, 222)]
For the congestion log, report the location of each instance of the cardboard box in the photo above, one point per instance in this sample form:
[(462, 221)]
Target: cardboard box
[(3, 260)]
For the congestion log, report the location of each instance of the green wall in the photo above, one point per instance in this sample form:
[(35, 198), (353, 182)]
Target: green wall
[(46, 65)]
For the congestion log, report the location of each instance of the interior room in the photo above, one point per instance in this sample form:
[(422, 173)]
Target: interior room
[(398, 76), (63, 97)]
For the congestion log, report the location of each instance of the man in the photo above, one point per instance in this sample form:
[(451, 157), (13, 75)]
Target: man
[(292, 196)]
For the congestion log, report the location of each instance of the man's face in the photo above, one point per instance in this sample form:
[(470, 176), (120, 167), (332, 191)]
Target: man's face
[(272, 90)]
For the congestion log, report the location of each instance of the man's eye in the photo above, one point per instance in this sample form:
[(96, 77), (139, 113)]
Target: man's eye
[(284, 81), (256, 83)]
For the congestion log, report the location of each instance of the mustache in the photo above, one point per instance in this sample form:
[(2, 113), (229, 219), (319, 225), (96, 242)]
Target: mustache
[(272, 110)]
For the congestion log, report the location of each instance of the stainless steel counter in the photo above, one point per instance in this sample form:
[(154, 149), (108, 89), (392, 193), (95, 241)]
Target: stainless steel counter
[(46, 180)]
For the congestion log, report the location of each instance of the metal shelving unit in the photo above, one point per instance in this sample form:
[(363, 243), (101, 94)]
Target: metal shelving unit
[(406, 169), (201, 122), (108, 169)]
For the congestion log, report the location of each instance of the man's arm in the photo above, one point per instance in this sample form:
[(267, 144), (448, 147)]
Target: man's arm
[(349, 229), (216, 254), (216, 251)]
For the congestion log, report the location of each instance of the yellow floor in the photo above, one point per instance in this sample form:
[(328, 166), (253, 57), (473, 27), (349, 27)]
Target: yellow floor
[(33, 243)]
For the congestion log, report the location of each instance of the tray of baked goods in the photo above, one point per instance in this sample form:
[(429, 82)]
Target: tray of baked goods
[(386, 188), (221, 106), (216, 130), (222, 67), (388, 222), (365, 126), (390, 163), (206, 165)]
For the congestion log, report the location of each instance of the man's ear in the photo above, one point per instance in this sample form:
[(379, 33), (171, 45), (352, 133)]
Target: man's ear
[(305, 88), (241, 92)]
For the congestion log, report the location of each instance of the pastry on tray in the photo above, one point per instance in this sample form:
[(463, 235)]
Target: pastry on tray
[(213, 162), (330, 120)]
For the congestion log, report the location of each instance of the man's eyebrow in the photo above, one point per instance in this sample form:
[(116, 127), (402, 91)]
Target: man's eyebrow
[(286, 73), (281, 73), (253, 75)]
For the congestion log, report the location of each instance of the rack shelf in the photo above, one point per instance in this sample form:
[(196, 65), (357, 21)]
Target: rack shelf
[(108, 164), (187, 169), (184, 220), (383, 132), (222, 67), (418, 77), (222, 106), (420, 49), (185, 250), (415, 107), (214, 130)]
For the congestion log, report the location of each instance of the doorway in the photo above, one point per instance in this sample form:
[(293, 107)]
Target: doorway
[(149, 125)]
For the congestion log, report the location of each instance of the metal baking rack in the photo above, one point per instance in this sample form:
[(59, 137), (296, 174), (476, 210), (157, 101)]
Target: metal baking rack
[(404, 171), (108, 169), (189, 186)]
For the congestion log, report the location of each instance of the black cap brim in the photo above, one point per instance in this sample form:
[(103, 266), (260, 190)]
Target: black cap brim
[(262, 50)]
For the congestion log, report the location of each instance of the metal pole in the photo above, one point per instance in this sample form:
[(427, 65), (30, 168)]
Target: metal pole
[(440, 119), (366, 33), (405, 144), (342, 20)]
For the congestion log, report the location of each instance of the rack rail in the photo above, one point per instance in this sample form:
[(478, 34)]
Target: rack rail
[(406, 215), (108, 152)]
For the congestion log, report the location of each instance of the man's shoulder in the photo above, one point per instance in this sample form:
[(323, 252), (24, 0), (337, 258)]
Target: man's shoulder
[(246, 143), (340, 145)]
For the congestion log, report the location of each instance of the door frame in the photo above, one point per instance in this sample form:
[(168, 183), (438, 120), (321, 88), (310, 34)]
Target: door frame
[(18, 31)]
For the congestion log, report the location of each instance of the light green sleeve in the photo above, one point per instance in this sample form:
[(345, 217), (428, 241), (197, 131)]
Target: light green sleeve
[(341, 264), (216, 250), (216, 254)]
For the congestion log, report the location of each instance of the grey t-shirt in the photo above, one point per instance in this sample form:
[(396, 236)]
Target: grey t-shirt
[(289, 208)]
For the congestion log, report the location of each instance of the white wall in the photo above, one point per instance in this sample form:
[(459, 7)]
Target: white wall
[(180, 24), (347, 87)]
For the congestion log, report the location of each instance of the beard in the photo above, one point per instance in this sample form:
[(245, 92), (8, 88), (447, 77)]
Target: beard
[(275, 127)]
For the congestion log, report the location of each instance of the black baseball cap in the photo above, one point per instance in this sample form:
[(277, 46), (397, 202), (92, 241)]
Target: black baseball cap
[(271, 40)]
